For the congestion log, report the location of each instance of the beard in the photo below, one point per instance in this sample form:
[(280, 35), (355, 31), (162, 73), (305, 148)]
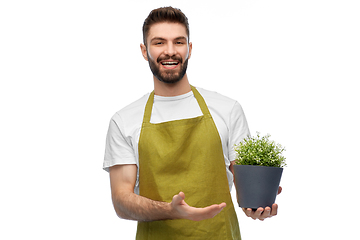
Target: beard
[(168, 76)]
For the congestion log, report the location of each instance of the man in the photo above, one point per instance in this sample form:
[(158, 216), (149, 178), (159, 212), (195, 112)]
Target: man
[(176, 141)]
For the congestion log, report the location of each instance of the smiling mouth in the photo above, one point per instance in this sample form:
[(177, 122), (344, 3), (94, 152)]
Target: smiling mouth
[(170, 63)]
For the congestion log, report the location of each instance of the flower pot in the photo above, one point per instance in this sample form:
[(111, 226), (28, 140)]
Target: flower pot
[(256, 186)]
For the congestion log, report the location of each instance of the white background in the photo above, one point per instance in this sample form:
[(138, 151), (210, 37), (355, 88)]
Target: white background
[(67, 66)]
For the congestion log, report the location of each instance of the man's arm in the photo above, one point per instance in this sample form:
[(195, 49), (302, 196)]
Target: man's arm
[(260, 213), (129, 205)]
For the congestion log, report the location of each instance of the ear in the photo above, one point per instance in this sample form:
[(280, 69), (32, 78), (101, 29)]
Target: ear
[(143, 51), (190, 49)]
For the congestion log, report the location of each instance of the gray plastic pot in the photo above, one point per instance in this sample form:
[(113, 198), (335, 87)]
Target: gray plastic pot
[(256, 186)]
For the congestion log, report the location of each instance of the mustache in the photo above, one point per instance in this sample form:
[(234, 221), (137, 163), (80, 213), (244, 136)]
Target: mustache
[(167, 57)]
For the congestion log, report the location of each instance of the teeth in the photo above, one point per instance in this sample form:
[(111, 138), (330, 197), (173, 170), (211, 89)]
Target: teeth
[(169, 63)]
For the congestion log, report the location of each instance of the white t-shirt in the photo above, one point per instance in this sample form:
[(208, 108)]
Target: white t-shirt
[(125, 126)]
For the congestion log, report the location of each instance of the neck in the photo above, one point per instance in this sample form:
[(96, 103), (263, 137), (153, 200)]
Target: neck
[(171, 89)]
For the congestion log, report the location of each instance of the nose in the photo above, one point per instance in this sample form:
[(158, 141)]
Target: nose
[(170, 49)]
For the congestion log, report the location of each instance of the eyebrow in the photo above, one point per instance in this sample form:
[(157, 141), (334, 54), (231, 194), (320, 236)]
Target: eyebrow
[(163, 39)]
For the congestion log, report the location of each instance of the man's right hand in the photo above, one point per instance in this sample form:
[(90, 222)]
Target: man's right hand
[(184, 211), (129, 205)]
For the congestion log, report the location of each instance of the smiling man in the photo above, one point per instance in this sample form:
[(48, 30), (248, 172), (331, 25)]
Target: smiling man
[(167, 52), (167, 49), (175, 141)]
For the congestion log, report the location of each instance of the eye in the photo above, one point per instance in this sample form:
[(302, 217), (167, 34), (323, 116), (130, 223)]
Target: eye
[(179, 43)]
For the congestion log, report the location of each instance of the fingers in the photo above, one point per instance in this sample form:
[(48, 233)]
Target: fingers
[(198, 214), (261, 213), (274, 210), (265, 214), (183, 210), (256, 214), (178, 198), (182, 195), (247, 211), (279, 190), (222, 205)]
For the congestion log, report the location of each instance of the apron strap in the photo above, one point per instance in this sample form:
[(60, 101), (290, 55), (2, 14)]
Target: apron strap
[(150, 103), (148, 108), (200, 101)]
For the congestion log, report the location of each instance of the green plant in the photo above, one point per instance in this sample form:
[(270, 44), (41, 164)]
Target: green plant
[(259, 151)]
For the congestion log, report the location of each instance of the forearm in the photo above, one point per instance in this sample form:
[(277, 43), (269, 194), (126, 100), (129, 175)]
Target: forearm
[(135, 207), (129, 205)]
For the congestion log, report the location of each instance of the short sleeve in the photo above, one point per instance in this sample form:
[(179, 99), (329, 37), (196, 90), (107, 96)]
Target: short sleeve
[(238, 129), (118, 149)]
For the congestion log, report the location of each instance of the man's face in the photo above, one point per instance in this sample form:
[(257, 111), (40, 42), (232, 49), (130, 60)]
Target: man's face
[(167, 51)]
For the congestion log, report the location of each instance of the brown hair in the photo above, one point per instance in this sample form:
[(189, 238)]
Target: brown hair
[(164, 14)]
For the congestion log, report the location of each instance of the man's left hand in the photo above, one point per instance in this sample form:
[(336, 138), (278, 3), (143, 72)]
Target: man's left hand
[(262, 213)]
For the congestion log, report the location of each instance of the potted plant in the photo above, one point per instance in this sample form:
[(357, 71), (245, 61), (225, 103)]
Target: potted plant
[(257, 170)]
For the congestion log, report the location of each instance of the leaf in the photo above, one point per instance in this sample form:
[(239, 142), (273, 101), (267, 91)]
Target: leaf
[(259, 151)]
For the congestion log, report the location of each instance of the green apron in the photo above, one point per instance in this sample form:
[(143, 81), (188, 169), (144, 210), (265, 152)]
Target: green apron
[(185, 155)]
